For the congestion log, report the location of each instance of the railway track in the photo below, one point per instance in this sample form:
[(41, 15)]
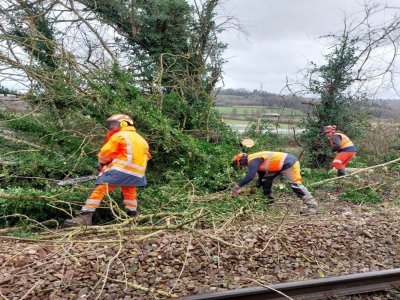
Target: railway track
[(346, 285)]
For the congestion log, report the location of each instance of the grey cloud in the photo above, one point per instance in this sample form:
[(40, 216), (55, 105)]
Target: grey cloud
[(283, 38)]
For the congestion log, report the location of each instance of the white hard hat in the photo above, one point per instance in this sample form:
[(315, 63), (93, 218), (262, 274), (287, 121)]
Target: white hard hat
[(247, 143)]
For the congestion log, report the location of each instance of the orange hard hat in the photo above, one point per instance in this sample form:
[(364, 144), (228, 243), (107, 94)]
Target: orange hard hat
[(239, 160)]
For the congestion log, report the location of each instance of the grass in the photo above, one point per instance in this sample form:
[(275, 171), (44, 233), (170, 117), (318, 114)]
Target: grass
[(243, 123), (241, 116)]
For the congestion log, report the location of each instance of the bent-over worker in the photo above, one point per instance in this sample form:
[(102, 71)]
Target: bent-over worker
[(270, 165)]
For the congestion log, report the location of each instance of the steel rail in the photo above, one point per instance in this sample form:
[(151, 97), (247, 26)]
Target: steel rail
[(323, 288)]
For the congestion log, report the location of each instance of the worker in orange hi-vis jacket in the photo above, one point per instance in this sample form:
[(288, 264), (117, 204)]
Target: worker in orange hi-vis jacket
[(341, 144), (269, 165), (122, 161)]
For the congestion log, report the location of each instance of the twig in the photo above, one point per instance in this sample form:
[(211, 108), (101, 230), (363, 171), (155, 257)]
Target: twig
[(273, 235), (108, 267), (268, 287), (184, 264), (142, 288), (357, 172), (143, 237), (31, 289), (213, 237), (3, 297)]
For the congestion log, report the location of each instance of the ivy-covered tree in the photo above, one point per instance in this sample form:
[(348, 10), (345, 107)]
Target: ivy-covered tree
[(332, 85), (174, 53), (155, 33)]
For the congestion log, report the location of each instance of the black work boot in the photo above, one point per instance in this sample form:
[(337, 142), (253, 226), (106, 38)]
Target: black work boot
[(270, 199), (132, 213), (341, 172), (83, 219)]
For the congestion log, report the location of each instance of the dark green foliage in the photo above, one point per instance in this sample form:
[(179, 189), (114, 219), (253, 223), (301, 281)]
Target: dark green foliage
[(156, 31), (6, 91), (38, 204), (53, 156), (174, 51), (38, 38), (178, 156)]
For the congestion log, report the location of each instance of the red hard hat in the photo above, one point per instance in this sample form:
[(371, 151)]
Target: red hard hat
[(328, 128)]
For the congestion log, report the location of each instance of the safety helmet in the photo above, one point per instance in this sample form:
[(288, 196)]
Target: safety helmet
[(248, 143), (118, 121), (239, 160), (328, 128)]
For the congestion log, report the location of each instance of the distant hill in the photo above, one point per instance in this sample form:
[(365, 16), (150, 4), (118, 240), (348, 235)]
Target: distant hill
[(385, 109), (241, 97)]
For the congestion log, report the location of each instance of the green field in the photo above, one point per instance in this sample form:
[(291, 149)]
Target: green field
[(238, 117), (254, 110), (244, 123)]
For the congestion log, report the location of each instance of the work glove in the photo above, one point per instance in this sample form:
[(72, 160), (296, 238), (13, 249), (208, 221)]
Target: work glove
[(236, 190)]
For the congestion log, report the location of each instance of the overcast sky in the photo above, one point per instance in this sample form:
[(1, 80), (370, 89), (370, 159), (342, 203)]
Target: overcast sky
[(282, 38)]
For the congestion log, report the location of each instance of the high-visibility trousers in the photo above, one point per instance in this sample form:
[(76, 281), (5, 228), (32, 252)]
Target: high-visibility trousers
[(129, 194), (293, 177), (342, 159)]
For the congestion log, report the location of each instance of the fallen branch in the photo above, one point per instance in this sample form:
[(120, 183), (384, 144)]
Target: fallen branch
[(26, 198), (36, 224), (121, 227), (18, 141), (357, 172)]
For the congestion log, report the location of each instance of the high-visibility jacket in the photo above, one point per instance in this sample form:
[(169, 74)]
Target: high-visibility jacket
[(125, 154), (344, 140), (273, 161)]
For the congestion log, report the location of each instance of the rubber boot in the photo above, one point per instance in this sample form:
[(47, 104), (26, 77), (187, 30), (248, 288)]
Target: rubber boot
[(84, 219), (312, 206), (341, 172), (308, 211)]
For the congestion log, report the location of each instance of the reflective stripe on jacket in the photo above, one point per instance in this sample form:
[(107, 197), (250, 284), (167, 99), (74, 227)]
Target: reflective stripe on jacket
[(344, 141), (273, 161), (125, 151)]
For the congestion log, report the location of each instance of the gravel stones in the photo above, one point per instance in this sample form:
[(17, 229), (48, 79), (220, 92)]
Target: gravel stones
[(183, 263)]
